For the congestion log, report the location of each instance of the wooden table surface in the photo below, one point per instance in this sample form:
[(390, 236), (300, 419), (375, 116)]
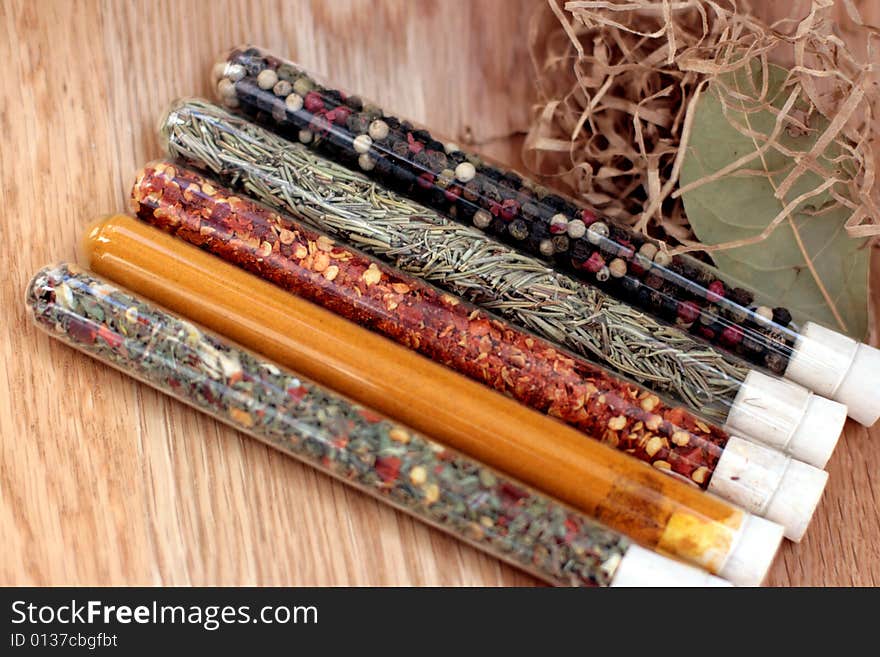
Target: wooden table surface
[(104, 481)]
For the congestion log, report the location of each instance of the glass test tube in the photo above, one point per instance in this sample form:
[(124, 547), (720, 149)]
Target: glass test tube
[(466, 262), (628, 265), (629, 496), (357, 446), (455, 333)]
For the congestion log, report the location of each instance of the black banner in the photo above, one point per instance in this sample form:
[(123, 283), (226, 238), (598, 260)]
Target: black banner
[(390, 620)]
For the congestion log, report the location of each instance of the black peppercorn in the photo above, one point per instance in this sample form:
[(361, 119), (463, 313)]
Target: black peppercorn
[(507, 192), (437, 160), (518, 229), (781, 316), (741, 297), (530, 211), (560, 243), (513, 179), (630, 283), (654, 281), (400, 148), (357, 123), (554, 201), (422, 160), (776, 362), (456, 158), (489, 192), (751, 346)]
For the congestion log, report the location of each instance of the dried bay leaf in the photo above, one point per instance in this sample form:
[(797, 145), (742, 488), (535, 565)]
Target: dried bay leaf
[(741, 204)]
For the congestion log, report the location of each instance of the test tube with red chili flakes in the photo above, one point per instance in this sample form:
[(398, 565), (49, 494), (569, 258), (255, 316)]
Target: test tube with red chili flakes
[(477, 344), (632, 267), (361, 448), (470, 264)]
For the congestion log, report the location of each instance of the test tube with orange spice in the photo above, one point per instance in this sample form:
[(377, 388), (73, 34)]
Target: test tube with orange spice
[(451, 331), (631, 497)]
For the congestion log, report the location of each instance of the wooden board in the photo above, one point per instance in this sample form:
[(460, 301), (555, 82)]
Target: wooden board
[(102, 480)]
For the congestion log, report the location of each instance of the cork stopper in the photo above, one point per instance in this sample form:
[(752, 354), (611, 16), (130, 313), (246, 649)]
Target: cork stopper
[(640, 567), (770, 484), (788, 417), (840, 368), (753, 553)]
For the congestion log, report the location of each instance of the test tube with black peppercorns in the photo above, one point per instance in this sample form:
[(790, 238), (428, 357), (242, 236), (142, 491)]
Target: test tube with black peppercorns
[(574, 238)]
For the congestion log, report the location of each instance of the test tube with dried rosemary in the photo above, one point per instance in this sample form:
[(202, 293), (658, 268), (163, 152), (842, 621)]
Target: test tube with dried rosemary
[(466, 262), (473, 342), (624, 263), (345, 440)]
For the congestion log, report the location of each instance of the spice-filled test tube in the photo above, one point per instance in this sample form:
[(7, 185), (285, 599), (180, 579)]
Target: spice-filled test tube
[(656, 511), (677, 288), (455, 333), (343, 439), (466, 262)]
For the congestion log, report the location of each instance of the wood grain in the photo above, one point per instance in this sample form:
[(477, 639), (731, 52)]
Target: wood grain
[(102, 480)]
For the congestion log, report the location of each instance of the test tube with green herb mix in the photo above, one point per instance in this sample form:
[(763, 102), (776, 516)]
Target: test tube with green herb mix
[(343, 439)]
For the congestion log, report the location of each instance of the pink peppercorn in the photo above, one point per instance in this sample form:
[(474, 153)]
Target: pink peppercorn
[(732, 335), (313, 102), (688, 312), (716, 291), (706, 332), (426, 180), (509, 208), (594, 263), (414, 145), (588, 216), (339, 115), (452, 193)]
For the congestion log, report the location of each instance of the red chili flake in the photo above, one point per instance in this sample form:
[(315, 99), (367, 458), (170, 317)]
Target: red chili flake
[(556, 229), (370, 416), (426, 180), (387, 467), (688, 311), (220, 211), (511, 494), (494, 208), (594, 263), (716, 292), (82, 331), (732, 335), (313, 102), (111, 338), (509, 209), (298, 393), (588, 216), (414, 145)]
